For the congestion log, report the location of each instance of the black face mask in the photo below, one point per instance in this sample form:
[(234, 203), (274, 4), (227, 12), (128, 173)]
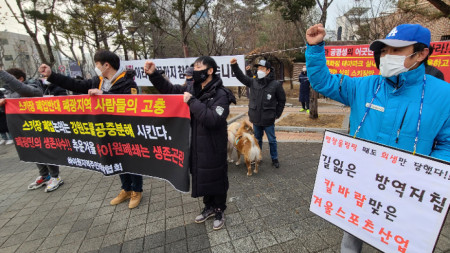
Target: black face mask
[(200, 75)]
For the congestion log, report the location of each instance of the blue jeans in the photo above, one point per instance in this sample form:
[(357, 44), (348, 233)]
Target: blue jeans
[(270, 132), (131, 182)]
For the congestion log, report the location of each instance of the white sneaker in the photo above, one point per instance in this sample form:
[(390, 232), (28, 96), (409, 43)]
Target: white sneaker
[(9, 142), (53, 184), (40, 181), (2, 142)]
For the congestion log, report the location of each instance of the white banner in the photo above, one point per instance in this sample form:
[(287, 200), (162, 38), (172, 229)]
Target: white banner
[(175, 68), (391, 199)]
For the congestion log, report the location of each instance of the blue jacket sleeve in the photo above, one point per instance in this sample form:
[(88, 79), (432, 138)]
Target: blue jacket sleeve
[(338, 87), (442, 148)]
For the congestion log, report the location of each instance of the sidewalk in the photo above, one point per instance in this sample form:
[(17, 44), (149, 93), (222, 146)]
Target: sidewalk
[(267, 212)]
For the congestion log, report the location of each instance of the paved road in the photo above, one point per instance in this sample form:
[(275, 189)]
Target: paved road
[(267, 212)]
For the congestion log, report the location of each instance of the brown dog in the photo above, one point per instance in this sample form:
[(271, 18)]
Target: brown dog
[(232, 131), (247, 145)]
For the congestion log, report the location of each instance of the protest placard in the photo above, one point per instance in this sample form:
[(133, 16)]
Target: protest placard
[(174, 69), (110, 134), (389, 198), (358, 61)]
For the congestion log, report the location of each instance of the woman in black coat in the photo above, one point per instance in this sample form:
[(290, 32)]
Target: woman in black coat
[(209, 103), (304, 90)]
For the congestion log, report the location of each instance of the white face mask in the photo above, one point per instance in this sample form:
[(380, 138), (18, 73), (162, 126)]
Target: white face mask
[(393, 65), (261, 74), (98, 71), (304, 69)]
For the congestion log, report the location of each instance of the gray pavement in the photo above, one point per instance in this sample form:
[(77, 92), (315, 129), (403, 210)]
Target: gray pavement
[(267, 212)]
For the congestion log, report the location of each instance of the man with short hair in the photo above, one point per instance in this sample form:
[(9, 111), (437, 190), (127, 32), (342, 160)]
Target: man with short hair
[(402, 107), (113, 78), (267, 100)]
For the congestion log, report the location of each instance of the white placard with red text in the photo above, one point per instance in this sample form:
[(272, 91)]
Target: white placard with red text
[(174, 69), (391, 199)]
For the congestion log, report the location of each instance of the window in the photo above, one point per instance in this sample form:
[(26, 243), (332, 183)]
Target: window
[(8, 58), (3, 42)]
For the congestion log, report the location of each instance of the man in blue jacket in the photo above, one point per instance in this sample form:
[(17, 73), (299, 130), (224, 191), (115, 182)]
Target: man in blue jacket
[(402, 107)]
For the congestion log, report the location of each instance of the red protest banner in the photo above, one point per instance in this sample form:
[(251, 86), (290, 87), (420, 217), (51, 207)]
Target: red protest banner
[(357, 61), (111, 134)]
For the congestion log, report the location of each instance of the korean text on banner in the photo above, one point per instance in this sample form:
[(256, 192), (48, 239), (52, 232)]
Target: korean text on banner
[(389, 198), (174, 69), (358, 61), (110, 134)]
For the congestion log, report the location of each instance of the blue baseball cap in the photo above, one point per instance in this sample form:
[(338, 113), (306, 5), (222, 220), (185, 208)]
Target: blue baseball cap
[(402, 36)]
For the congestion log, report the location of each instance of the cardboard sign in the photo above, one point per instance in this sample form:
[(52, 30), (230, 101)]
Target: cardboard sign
[(174, 69), (389, 198)]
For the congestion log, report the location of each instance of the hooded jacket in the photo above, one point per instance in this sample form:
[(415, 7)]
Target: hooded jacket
[(209, 109), (393, 118), (122, 83), (267, 97)]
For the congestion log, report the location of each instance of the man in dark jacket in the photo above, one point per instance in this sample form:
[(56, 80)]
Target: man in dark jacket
[(112, 78), (267, 99), (209, 103), (304, 90)]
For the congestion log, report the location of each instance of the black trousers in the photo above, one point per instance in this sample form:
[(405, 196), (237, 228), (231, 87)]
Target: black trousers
[(305, 105), (216, 201)]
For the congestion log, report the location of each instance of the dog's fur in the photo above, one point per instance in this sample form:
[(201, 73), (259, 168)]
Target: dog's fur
[(232, 131), (247, 145)]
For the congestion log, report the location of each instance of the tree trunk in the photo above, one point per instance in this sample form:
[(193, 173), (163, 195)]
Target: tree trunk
[(314, 108), (442, 6), (125, 49)]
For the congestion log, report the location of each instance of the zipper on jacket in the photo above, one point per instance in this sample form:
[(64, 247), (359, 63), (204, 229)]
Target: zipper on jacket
[(401, 124), (340, 83)]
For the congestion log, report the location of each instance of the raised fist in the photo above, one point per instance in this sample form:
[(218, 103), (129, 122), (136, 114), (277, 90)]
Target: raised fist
[(315, 34), (45, 70)]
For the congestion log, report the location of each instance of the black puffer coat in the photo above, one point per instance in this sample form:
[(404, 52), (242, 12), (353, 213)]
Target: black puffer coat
[(209, 109), (267, 97), (123, 84)]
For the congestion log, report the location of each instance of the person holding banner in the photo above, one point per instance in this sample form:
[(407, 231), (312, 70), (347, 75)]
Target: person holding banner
[(17, 87), (112, 78), (267, 100), (209, 103), (402, 107)]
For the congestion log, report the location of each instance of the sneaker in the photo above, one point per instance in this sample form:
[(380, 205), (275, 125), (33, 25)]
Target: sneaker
[(2, 142), (219, 219), (40, 181), (307, 111), (53, 184), (9, 142), (276, 163), (206, 213), (123, 195), (301, 110), (135, 199)]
